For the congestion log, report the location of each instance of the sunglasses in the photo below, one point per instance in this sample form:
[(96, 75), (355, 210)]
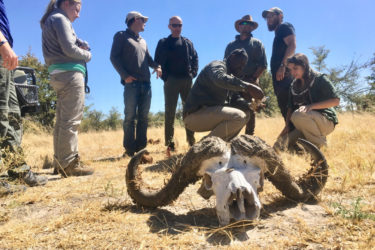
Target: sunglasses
[(270, 15), (175, 25), (246, 23)]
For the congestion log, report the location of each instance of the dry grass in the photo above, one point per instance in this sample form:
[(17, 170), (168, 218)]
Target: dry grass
[(96, 211)]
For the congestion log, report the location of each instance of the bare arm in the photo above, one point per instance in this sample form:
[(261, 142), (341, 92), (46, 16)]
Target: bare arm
[(290, 42), (10, 59), (320, 105)]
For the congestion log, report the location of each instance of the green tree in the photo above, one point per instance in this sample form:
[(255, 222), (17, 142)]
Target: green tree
[(47, 97), (156, 120), (113, 120), (346, 79), (92, 120), (265, 82), (320, 54)]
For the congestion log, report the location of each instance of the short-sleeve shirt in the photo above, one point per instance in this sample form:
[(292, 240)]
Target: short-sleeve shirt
[(279, 46), (255, 52), (4, 24), (320, 89)]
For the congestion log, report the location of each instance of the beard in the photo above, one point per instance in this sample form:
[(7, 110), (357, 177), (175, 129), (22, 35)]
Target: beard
[(272, 26)]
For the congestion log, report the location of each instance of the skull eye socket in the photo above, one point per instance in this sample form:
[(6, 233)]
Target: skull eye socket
[(244, 161), (220, 163)]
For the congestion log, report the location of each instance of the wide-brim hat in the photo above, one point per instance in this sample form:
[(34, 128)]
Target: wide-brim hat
[(135, 14), (275, 10), (246, 18)]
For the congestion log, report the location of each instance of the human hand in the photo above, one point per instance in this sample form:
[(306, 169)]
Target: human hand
[(158, 72), (305, 109), (280, 73), (10, 59), (130, 79), (83, 44)]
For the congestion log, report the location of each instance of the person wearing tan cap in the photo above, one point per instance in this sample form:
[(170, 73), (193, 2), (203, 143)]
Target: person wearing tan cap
[(257, 61), (131, 59), (284, 46)]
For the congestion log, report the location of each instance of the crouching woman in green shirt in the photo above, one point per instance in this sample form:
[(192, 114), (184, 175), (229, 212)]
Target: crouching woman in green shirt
[(310, 106)]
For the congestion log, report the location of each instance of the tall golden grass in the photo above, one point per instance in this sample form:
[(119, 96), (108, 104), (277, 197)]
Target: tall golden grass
[(96, 211)]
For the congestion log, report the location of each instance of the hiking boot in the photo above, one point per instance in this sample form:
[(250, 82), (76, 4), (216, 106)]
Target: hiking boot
[(33, 179), (6, 188), (146, 158), (24, 172), (18, 172), (75, 168)]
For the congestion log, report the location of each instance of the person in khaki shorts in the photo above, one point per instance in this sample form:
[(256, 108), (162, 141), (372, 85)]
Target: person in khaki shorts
[(66, 57), (310, 108), (209, 106)]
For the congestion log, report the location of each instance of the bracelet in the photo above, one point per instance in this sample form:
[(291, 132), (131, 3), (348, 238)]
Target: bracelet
[(2, 42)]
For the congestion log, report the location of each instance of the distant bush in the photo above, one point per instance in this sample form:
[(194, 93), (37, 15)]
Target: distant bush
[(94, 120)]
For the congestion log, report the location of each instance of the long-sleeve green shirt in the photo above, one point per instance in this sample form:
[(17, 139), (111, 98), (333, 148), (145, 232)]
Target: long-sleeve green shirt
[(212, 87)]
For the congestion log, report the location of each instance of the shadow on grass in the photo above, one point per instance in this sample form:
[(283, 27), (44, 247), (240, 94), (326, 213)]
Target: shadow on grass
[(162, 221)]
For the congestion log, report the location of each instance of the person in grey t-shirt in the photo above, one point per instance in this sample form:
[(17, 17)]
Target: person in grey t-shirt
[(256, 62)]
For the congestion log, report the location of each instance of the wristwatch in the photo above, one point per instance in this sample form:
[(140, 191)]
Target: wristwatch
[(2, 42), (282, 65)]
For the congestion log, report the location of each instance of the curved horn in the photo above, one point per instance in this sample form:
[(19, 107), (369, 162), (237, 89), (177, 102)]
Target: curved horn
[(303, 189), (315, 179), (185, 173)]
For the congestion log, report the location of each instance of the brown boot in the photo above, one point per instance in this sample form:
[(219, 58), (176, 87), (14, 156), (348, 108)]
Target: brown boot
[(75, 168)]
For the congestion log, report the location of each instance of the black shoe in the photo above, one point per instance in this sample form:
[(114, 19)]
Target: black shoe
[(33, 180), (128, 154), (6, 188), (171, 147), (191, 142)]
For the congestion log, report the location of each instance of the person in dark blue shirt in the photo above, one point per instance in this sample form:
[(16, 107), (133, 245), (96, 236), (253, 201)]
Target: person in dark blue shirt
[(284, 46)]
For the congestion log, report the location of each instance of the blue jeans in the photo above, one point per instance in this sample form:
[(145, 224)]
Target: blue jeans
[(137, 100)]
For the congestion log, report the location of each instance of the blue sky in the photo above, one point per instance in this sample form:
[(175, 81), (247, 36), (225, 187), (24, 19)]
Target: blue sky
[(343, 26)]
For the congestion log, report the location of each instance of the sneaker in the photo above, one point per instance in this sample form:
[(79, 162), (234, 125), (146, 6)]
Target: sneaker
[(75, 168), (33, 179), (6, 188)]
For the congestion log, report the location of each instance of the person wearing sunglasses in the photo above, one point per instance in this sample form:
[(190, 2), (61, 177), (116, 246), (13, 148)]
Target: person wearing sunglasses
[(179, 62), (256, 63), (131, 59), (284, 46)]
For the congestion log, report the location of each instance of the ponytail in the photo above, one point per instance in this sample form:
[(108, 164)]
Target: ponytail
[(53, 4)]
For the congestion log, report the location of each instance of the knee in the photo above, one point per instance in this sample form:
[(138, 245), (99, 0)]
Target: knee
[(242, 116), (297, 117)]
